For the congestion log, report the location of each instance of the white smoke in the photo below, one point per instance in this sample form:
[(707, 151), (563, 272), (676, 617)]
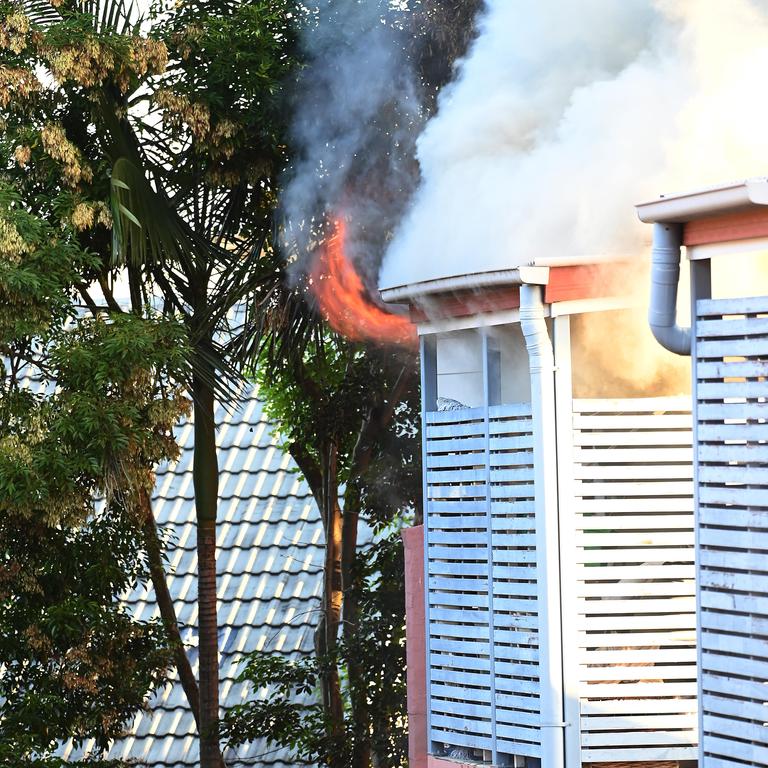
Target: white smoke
[(564, 115), (356, 112)]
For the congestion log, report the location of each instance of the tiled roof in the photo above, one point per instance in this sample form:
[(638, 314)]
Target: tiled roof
[(269, 559)]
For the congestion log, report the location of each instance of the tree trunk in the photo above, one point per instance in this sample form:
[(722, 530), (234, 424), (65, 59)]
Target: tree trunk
[(361, 746), (206, 483), (165, 603), (326, 638)]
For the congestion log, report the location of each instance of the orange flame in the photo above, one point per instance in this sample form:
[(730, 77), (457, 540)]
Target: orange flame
[(347, 305)]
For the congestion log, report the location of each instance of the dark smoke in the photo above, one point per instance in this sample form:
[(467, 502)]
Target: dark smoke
[(358, 111)]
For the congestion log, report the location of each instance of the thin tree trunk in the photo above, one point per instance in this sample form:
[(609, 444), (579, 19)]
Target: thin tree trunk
[(361, 746), (206, 483), (328, 630), (373, 426), (165, 603)]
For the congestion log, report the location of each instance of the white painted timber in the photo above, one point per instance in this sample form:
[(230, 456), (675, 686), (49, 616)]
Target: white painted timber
[(634, 612), (479, 483), (630, 621), (515, 583), (732, 498)]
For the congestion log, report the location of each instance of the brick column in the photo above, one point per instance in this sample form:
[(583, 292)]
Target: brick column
[(415, 632)]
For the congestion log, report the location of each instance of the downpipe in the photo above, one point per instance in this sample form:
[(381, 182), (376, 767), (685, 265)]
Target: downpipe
[(542, 370), (665, 276)]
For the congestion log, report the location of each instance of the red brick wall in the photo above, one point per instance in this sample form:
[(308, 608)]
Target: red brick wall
[(415, 630)]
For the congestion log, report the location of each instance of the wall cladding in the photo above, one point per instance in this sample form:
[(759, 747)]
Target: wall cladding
[(732, 455)]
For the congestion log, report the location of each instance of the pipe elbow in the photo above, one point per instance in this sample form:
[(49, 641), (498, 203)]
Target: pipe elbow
[(665, 276), (533, 324), (673, 338)]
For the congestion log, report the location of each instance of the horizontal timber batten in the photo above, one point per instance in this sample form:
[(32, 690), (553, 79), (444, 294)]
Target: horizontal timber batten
[(632, 515), (731, 352), (483, 632), (632, 523)]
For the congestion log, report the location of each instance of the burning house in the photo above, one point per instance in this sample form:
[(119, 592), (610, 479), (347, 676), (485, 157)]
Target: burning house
[(555, 566), (724, 232), (552, 608)]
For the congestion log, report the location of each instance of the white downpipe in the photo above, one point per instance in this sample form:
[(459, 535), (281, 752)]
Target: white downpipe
[(665, 275), (542, 366)]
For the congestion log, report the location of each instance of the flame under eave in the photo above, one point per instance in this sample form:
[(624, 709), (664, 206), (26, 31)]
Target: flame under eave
[(347, 305)]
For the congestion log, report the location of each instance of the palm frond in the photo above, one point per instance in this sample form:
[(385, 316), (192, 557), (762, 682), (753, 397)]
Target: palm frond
[(148, 235), (145, 228), (211, 364), (119, 17), (41, 12)]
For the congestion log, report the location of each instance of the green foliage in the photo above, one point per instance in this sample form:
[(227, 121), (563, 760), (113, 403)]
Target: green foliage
[(146, 148), (74, 663), (379, 643), (232, 59), (103, 428), (321, 400), (87, 405), (329, 395), (37, 267), (289, 713)]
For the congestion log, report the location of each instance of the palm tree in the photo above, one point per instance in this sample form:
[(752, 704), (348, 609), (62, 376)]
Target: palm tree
[(178, 117)]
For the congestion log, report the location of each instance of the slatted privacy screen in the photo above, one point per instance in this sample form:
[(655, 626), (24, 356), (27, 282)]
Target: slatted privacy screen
[(634, 563), (732, 454), (482, 639), (458, 617), (515, 618)]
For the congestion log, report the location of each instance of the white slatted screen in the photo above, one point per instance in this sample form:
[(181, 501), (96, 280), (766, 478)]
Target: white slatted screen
[(482, 640), (458, 639), (635, 579), (514, 581), (635, 575), (732, 454)]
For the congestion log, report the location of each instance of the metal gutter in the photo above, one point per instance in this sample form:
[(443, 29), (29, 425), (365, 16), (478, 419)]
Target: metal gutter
[(727, 198), (474, 281), (594, 259)]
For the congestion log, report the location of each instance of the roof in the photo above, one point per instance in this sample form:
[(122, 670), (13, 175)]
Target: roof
[(270, 553)]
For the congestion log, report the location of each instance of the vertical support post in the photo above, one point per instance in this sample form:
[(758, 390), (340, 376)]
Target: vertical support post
[(428, 346), (492, 355), (428, 354), (701, 288), (541, 358), (490, 372), (569, 614)]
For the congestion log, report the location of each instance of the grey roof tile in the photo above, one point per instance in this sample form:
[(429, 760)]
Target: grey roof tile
[(269, 540)]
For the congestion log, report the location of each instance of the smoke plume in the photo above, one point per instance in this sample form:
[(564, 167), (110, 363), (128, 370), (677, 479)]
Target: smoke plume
[(357, 111), (563, 115)]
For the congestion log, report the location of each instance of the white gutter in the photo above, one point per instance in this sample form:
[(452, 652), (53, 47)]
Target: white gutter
[(475, 280), (685, 207), (542, 368)]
